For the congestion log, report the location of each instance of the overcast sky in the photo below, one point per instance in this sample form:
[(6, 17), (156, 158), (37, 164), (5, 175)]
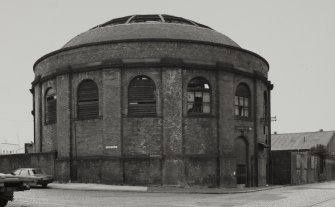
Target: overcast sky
[(297, 38)]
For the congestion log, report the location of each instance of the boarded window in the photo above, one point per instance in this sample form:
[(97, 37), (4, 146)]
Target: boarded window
[(198, 96), (87, 100), (242, 101), (50, 106), (142, 97)]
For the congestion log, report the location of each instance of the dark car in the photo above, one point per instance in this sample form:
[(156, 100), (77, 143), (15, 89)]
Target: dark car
[(37, 174), (11, 183)]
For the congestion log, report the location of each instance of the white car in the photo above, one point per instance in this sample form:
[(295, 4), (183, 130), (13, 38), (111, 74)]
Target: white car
[(37, 174)]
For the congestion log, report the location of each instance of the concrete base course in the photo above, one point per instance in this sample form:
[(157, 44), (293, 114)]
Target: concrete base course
[(157, 189)]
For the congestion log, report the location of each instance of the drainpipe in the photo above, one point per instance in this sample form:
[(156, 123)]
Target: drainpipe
[(72, 171), (255, 130), (270, 170), (40, 114), (32, 91)]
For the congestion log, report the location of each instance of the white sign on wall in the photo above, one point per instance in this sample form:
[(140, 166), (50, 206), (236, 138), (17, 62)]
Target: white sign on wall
[(111, 147)]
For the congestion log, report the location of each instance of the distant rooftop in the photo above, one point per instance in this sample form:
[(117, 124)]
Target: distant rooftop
[(6, 143), (300, 141)]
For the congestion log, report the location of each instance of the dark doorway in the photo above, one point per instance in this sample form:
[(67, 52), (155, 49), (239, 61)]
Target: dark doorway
[(241, 160)]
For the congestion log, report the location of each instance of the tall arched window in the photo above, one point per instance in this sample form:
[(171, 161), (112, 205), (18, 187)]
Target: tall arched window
[(142, 97), (242, 101), (198, 96), (50, 106), (87, 100)]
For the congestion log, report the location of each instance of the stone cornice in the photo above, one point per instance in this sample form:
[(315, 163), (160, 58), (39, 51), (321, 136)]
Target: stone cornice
[(159, 62)]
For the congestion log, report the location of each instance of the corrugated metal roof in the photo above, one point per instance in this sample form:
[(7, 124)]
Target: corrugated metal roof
[(300, 141)]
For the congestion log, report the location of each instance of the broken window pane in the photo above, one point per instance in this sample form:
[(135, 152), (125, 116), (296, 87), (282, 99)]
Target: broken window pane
[(199, 101), (198, 94)]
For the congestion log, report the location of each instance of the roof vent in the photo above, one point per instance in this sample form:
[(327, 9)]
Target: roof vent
[(321, 130), (274, 132)]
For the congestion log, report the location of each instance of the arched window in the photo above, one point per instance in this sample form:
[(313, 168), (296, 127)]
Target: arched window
[(50, 106), (142, 97), (87, 100), (198, 96), (242, 101)]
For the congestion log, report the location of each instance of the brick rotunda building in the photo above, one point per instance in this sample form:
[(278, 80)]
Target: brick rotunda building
[(154, 99)]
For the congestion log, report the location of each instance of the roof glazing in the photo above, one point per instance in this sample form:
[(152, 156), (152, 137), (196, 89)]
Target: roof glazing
[(151, 18)]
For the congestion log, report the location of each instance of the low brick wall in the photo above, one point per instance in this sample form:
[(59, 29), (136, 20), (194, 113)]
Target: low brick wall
[(45, 161)]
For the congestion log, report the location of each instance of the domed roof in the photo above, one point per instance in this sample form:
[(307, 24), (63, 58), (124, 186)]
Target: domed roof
[(140, 27)]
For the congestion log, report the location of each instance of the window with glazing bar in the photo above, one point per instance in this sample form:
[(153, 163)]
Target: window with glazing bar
[(242, 101), (198, 96)]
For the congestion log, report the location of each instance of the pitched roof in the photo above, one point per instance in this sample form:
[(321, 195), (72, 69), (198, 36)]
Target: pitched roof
[(300, 141)]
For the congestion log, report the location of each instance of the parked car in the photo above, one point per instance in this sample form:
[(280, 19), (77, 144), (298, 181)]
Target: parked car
[(37, 174), (11, 183)]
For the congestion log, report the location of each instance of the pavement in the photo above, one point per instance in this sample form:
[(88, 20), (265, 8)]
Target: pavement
[(158, 189)]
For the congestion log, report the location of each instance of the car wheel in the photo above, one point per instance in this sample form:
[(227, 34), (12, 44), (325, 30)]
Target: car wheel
[(44, 185), (3, 202)]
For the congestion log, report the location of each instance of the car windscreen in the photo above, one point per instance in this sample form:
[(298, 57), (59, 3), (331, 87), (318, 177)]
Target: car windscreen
[(38, 171)]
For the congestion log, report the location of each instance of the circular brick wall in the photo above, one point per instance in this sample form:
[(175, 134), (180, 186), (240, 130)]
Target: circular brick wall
[(153, 99)]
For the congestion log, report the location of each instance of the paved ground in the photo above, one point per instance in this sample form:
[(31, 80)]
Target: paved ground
[(305, 195)]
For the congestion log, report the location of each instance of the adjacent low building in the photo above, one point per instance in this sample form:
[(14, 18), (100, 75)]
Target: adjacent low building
[(10, 148), (154, 99), (303, 157)]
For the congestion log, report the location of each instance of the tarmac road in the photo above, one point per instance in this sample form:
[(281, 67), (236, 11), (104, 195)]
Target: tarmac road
[(319, 194)]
